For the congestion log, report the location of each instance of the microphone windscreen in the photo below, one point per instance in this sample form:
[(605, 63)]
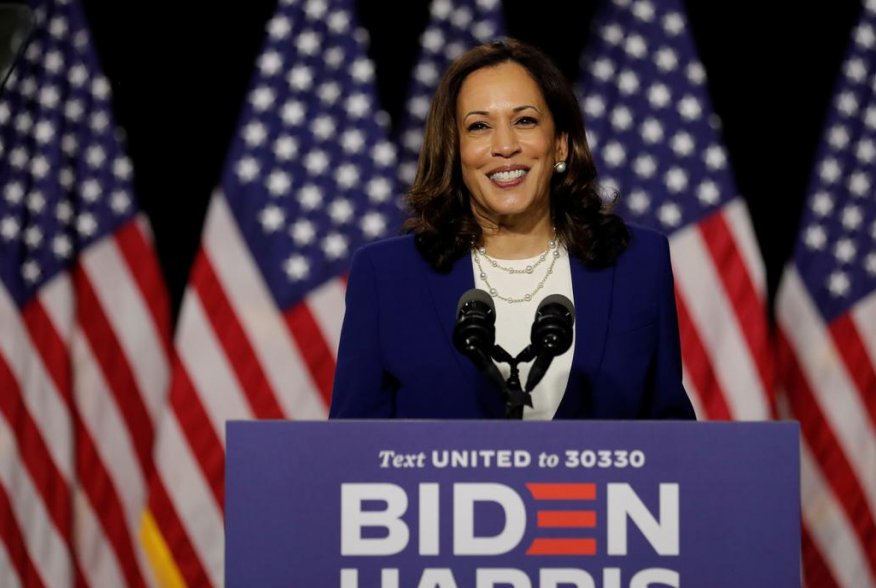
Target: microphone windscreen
[(476, 295), (558, 299), (552, 329)]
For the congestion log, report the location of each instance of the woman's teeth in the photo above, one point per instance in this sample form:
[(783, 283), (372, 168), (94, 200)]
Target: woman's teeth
[(507, 176)]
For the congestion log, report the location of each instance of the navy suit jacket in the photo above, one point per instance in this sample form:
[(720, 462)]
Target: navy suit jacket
[(397, 359)]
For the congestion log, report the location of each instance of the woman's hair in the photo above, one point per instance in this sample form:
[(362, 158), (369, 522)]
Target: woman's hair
[(440, 213)]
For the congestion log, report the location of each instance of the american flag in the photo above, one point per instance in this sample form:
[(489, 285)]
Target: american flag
[(826, 314), (84, 322), (454, 27), (311, 176), (657, 142)]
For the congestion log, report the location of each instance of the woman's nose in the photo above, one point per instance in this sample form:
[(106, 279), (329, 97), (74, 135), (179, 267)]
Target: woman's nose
[(505, 143)]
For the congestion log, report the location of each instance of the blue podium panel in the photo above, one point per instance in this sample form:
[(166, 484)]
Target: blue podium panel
[(486, 504)]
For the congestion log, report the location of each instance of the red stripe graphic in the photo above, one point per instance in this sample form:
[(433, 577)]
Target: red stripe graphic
[(699, 365), (835, 465), (747, 304), (234, 341), (566, 518), (312, 347), (562, 547), (562, 491)]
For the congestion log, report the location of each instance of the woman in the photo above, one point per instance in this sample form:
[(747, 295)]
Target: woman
[(505, 199)]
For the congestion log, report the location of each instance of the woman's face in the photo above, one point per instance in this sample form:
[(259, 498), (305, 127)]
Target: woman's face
[(507, 146)]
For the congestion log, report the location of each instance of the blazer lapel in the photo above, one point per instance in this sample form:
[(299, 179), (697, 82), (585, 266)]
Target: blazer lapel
[(445, 290), (593, 294)]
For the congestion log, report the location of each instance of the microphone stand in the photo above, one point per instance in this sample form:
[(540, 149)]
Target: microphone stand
[(475, 336), (515, 396)]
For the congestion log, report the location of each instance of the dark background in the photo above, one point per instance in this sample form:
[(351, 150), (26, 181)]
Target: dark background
[(180, 75)]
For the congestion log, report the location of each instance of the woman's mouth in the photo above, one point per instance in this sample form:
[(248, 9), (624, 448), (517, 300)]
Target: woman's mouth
[(507, 178)]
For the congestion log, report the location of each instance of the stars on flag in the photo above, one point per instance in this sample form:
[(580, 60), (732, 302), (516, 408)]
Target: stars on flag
[(454, 26), (312, 163)]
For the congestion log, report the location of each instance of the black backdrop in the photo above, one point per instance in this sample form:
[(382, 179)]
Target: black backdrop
[(180, 75)]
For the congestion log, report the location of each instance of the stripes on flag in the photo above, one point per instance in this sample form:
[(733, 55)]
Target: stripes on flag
[(84, 322), (656, 141), (826, 315), (310, 177), (838, 430)]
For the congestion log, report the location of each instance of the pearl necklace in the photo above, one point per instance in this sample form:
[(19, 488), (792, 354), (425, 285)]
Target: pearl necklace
[(552, 250)]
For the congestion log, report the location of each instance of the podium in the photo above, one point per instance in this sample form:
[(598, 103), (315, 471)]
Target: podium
[(484, 504)]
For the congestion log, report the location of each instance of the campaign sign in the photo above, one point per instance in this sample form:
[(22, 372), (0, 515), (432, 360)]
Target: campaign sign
[(458, 504)]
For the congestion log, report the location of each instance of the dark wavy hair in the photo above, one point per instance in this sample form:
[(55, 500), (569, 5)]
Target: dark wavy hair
[(440, 213)]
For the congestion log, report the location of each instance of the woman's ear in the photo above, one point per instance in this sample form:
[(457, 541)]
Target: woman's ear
[(562, 147)]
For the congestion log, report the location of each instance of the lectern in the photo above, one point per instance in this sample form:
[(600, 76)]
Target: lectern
[(597, 504)]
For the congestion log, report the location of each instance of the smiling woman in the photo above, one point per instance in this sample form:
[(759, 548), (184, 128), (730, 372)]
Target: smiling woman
[(506, 200), (508, 148)]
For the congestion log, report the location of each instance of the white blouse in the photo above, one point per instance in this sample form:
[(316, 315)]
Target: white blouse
[(514, 320)]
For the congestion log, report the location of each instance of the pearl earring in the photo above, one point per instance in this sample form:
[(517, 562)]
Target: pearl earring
[(560, 167)]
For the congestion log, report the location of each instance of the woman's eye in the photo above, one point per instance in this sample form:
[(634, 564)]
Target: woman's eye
[(526, 121), (477, 126)]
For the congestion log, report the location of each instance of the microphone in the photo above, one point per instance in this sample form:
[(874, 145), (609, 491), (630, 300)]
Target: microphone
[(551, 334), (475, 332)]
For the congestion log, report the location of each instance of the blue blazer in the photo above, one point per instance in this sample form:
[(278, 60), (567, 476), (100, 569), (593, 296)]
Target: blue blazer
[(397, 360)]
